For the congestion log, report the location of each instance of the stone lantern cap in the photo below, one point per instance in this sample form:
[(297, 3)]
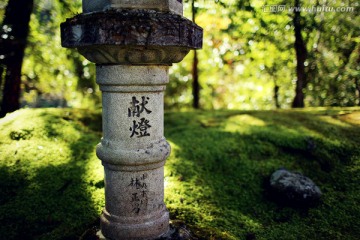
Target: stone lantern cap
[(174, 6), (126, 36)]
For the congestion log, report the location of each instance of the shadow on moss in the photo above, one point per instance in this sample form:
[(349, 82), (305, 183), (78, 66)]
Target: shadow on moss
[(48, 197)]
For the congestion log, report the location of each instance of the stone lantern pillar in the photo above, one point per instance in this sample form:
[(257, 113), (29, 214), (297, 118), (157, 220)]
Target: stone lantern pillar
[(133, 43)]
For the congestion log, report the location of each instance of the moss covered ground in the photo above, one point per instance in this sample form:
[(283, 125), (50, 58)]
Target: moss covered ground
[(51, 183)]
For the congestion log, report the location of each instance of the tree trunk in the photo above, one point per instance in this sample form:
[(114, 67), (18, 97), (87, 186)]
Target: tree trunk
[(13, 42), (276, 96), (195, 85), (301, 55), (357, 80), (357, 91), (1, 74), (195, 74)]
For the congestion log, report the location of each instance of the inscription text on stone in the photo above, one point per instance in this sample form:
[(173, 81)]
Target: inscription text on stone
[(140, 127)]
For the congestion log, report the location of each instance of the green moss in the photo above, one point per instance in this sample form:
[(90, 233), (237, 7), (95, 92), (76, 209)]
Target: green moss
[(46, 177), (51, 183), (220, 160)]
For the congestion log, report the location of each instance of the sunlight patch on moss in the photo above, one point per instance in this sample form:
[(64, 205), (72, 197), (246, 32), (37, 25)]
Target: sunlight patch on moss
[(241, 123), (352, 118), (334, 121)]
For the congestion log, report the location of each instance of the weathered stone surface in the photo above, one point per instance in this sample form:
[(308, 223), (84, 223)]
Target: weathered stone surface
[(121, 84), (140, 37), (177, 231), (131, 36), (134, 205), (293, 188), (174, 6), (133, 55), (133, 151)]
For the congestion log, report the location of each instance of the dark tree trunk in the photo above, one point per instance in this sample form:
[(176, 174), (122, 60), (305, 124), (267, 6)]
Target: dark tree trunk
[(1, 74), (15, 29), (195, 85), (195, 74), (301, 55), (276, 96), (357, 80), (357, 91)]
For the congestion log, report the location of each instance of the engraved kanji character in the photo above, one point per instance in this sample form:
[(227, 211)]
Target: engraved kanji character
[(142, 126), (136, 108)]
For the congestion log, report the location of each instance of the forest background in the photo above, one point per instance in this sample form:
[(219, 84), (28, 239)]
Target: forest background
[(256, 55)]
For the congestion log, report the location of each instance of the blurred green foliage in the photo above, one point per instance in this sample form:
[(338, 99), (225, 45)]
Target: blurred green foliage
[(248, 51), (247, 54), (52, 75)]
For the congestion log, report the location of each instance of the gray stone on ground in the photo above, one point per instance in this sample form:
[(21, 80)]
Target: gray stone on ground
[(177, 231), (293, 188)]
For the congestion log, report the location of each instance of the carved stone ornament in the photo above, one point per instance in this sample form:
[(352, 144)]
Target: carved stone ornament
[(174, 6), (131, 36)]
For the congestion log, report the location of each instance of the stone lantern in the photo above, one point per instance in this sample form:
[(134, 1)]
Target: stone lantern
[(133, 43)]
